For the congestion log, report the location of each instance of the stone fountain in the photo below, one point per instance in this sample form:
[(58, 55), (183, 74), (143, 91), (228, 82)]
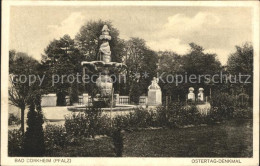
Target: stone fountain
[(104, 67)]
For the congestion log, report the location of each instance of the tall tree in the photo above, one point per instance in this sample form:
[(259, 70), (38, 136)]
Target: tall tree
[(169, 63), (241, 62), (20, 67), (198, 63), (195, 62), (62, 58), (141, 67)]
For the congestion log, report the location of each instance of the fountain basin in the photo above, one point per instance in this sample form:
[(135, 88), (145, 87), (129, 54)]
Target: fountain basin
[(101, 65), (118, 107)]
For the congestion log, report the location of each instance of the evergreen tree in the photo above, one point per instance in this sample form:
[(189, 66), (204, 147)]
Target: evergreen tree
[(34, 138)]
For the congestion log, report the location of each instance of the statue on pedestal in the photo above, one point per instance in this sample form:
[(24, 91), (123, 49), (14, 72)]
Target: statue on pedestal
[(154, 93), (154, 84), (104, 47), (201, 94)]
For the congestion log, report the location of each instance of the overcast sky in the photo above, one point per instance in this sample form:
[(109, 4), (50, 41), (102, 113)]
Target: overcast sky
[(217, 29)]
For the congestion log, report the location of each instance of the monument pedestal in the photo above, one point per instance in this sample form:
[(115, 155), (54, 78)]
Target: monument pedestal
[(191, 95), (154, 97)]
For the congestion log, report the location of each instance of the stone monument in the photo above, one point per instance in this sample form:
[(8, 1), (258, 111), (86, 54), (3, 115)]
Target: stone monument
[(201, 94), (191, 95), (104, 67), (154, 93)]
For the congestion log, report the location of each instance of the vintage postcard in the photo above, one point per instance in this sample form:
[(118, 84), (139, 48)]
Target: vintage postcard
[(101, 83)]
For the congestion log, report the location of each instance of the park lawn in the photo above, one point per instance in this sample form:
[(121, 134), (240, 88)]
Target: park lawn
[(100, 147), (228, 139)]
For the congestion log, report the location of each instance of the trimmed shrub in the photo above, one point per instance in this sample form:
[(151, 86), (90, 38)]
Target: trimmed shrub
[(15, 141), (34, 137)]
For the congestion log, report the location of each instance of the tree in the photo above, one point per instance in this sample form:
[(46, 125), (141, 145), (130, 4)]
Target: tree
[(34, 139), (196, 62), (87, 40), (20, 90), (140, 60), (169, 63), (62, 58), (241, 62)]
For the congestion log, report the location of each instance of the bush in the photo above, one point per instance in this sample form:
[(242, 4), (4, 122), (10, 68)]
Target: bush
[(13, 120), (152, 118), (87, 124), (213, 116), (138, 118), (34, 138), (177, 115), (190, 115), (162, 116), (243, 113), (76, 124), (54, 138), (224, 105), (121, 122), (15, 141), (104, 125)]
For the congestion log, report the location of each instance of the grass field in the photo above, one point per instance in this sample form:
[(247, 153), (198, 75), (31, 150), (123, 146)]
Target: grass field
[(229, 139)]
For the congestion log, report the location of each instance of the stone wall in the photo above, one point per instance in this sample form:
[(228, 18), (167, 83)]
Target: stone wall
[(49, 100)]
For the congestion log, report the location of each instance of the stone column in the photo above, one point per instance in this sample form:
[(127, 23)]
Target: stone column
[(85, 98), (142, 100), (116, 98), (67, 100)]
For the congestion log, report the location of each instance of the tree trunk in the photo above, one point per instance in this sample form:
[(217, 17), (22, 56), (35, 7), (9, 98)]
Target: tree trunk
[(22, 119)]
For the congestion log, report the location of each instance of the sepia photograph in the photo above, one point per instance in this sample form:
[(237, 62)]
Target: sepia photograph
[(130, 83)]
